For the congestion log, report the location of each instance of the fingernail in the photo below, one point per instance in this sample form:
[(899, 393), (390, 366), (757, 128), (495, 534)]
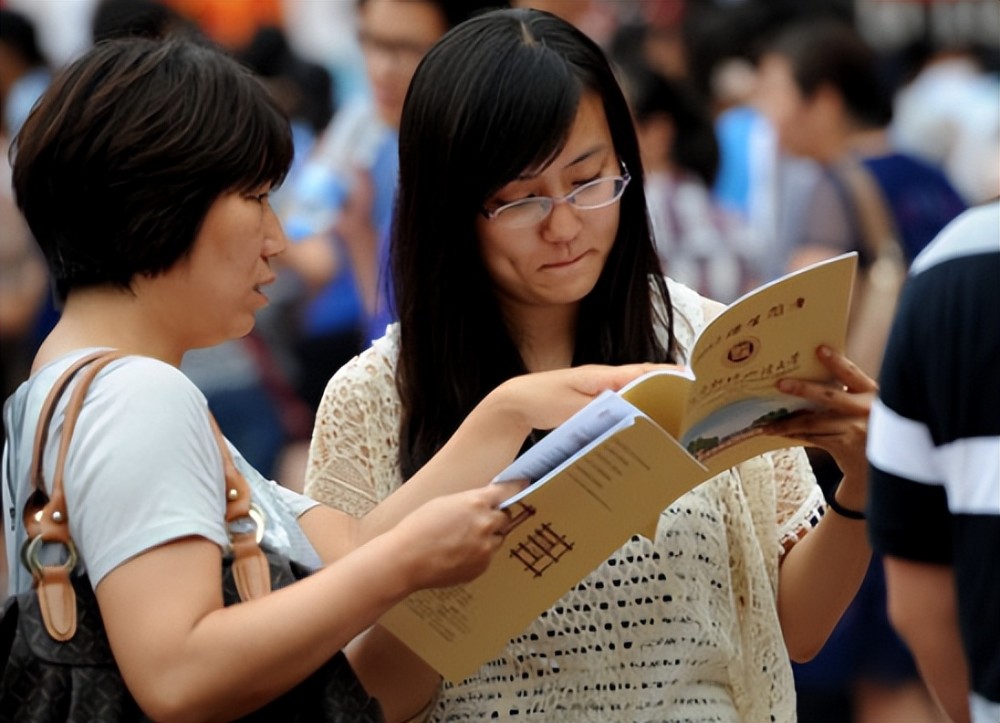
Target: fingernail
[(786, 385), (825, 351)]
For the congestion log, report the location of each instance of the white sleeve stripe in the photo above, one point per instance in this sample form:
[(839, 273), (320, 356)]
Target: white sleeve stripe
[(968, 468), (972, 468), (901, 446), (971, 233)]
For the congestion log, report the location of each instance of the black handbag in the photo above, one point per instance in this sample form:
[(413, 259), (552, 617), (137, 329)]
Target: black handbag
[(55, 661)]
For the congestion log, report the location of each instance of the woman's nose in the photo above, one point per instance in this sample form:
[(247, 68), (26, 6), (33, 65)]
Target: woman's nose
[(562, 224), (275, 240)]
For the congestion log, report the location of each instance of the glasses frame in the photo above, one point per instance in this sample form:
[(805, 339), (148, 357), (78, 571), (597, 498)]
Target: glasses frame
[(552, 201)]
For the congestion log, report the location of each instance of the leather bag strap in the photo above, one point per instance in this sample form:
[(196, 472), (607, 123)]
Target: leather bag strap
[(878, 230), (46, 519), (50, 524), (40, 499), (875, 298), (251, 571)]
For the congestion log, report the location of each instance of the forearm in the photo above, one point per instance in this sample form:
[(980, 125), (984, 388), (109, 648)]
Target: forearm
[(485, 443), (924, 611), (404, 684), (232, 660), (820, 575)]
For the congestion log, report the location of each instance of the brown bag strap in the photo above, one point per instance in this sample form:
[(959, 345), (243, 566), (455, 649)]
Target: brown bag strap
[(45, 418), (878, 230), (874, 304), (53, 505), (45, 516), (251, 571), (46, 519)]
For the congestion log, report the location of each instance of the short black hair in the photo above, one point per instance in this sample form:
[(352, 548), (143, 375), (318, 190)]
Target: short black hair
[(119, 162), (829, 52)]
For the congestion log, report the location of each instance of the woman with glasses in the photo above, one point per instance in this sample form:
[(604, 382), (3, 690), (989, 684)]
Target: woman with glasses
[(521, 244), (162, 157)]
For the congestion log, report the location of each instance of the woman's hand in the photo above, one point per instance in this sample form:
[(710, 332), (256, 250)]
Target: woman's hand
[(840, 426), (821, 573), (451, 539), (545, 400), (491, 435)]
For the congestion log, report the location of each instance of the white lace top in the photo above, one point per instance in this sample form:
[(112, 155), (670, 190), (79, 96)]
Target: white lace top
[(683, 628)]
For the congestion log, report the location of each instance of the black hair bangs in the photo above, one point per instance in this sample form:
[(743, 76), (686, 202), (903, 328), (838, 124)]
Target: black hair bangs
[(257, 150), (536, 99), (507, 110)]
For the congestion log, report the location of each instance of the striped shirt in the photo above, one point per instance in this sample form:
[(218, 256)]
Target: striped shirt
[(934, 433)]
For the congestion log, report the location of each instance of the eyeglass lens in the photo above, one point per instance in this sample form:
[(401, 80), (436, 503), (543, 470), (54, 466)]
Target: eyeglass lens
[(596, 194)]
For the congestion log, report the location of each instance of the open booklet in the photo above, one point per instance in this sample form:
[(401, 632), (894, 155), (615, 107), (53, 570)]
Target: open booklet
[(607, 473)]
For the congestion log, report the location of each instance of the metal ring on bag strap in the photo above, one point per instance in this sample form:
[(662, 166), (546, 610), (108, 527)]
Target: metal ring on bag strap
[(42, 505), (45, 516), (48, 522)]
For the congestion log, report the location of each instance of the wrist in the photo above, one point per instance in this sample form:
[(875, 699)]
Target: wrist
[(848, 511), (508, 410), (404, 567)]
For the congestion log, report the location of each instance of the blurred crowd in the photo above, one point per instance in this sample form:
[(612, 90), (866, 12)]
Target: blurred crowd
[(748, 114)]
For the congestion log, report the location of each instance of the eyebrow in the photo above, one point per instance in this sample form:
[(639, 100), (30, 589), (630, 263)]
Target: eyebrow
[(589, 153)]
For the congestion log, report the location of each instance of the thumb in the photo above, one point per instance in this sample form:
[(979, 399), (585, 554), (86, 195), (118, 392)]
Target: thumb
[(497, 493)]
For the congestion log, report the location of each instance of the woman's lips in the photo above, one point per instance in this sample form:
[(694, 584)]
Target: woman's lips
[(564, 264)]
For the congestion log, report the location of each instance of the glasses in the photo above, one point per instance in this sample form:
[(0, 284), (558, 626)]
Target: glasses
[(598, 193)]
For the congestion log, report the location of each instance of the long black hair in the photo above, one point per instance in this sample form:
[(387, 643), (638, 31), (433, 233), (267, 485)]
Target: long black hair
[(496, 96)]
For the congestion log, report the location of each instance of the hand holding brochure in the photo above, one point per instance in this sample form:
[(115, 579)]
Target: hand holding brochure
[(606, 473)]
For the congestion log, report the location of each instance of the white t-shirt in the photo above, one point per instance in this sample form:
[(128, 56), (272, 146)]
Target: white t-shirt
[(143, 468)]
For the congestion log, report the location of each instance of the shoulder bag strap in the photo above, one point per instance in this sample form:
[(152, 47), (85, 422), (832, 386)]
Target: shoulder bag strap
[(881, 281), (251, 571), (878, 230), (46, 519), (45, 516)]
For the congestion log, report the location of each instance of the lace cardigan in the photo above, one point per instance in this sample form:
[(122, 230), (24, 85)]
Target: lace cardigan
[(680, 628)]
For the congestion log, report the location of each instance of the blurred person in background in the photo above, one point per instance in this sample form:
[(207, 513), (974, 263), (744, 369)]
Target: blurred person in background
[(230, 24), (597, 19), (24, 76), (819, 85), (24, 73), (723, 49), (304, 90), (698, 243), (949, 114), (338, 209), (137, 18)]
